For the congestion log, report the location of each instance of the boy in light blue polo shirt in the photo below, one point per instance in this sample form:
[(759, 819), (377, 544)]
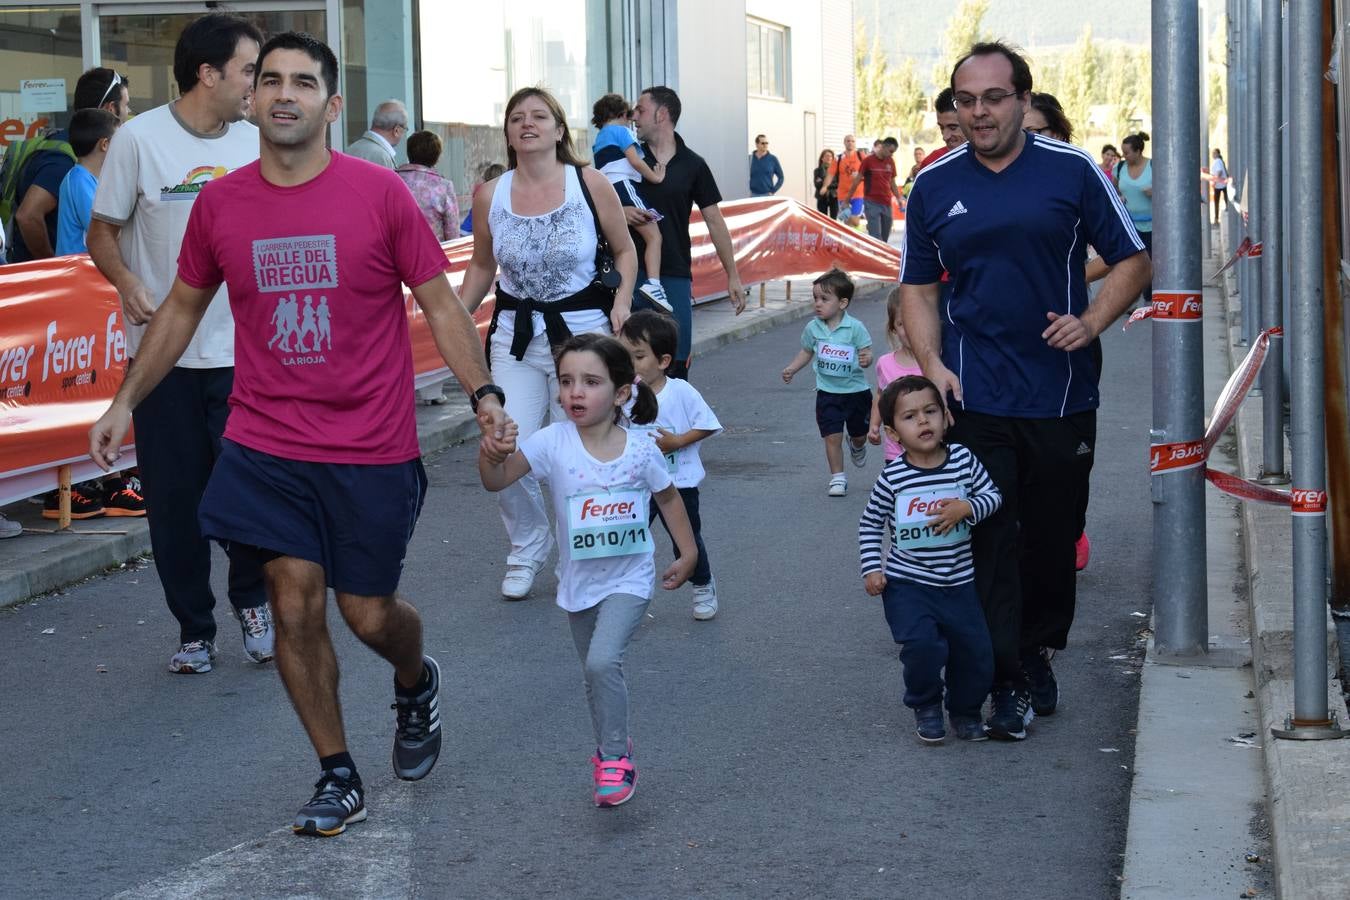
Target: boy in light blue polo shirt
[(91, 131), (841, 348)]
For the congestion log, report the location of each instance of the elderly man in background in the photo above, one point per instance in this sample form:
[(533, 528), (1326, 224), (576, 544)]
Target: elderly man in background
[(387, 127)]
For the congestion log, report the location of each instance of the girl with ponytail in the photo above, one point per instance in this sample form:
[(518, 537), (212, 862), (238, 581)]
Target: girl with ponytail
[(602, 479)]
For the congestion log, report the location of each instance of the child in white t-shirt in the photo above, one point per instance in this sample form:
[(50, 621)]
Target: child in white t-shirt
[(602, 479), (683, 421)]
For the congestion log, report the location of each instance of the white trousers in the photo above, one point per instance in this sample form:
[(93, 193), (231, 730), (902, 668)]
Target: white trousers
[(531, 386)]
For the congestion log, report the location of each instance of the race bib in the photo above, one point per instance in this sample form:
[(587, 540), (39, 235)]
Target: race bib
[(913, 509), (608, 523), (835, 359), (671, 463)]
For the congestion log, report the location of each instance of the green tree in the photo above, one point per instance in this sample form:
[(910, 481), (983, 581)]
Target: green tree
[(964, 29), (1216, 70), (887, 98), (1079, 80)]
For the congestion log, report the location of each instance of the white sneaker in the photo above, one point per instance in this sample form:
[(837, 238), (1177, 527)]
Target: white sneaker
[(193, 658), (838, 485), (705, 601), (8, 528), (518, 581), (859, 454), (259, 636), (654, 292)]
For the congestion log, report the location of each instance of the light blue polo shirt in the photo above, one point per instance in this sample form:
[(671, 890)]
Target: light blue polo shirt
[(834, 354)]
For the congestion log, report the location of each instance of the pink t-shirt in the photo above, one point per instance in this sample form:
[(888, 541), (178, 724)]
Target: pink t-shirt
[(887, 371), (323, 363)]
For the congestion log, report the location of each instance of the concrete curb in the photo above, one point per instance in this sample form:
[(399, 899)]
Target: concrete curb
[(1309, 815), (85, 552)]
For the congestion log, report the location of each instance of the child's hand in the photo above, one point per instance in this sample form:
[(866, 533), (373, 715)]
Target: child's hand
[(787, 376), (679, 571), (865, 357), (951, 512), (874, 435), (874, 583), (666, 441)]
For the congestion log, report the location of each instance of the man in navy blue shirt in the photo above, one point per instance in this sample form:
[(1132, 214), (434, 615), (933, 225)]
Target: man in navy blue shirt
[(1010, 216), (766, 175)]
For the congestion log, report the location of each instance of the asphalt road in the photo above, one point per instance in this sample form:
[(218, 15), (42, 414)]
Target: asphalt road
[(775, 757)]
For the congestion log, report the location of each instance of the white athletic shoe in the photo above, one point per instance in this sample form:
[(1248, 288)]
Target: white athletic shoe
[(518, 581), (705, 601), (259, 636), (838, 484), (654, 292), (9, 528)]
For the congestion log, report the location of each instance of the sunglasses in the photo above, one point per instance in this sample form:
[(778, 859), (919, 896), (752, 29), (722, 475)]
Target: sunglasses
[(116, 80)]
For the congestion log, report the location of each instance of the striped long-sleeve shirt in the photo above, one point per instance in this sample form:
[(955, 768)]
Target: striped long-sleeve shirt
[(904, 498)]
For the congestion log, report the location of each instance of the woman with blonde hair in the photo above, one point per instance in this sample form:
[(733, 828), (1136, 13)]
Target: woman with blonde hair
[(539, 227)]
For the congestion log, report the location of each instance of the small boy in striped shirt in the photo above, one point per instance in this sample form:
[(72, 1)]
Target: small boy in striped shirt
[(928, 498)]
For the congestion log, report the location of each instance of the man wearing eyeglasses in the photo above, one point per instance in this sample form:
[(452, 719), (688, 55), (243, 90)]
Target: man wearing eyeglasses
[(766, 175), (388, 126), (156, 165), (39, 184), (1010, 215)]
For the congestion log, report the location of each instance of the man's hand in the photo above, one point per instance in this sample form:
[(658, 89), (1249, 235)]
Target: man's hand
[(874, 583), (499, 432), (138, 304), (105, 437), (736, 293), (951, 512), (1067, 333), (947, 384), (637, 217)]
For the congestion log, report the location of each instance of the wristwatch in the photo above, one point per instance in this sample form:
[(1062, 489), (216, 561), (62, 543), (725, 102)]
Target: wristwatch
[(483, 392)]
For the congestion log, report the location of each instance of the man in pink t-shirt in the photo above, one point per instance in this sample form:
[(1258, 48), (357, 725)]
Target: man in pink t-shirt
[(319, 474)]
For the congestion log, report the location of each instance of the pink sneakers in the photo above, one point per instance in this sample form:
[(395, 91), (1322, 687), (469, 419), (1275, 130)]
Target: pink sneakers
[(1082, 552), (615, 778)]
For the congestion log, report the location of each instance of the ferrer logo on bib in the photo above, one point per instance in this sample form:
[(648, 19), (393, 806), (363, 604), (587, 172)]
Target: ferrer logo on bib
[(608, 524), (835, 359)]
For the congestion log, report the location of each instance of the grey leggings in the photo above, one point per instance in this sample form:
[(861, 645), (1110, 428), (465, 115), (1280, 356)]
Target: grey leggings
[(601, 634)]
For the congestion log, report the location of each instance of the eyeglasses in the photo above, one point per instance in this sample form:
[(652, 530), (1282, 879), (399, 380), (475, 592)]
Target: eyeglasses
[(989, 99), (116, 80), (1045, 130), (762, 143)]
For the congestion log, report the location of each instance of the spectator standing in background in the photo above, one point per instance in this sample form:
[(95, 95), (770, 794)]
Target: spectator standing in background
[(877, 177), (1218, 173), (1110, 156), (434, 193), (91, 131), (387, 127), (766, 175), (851, 203), (826, 180)]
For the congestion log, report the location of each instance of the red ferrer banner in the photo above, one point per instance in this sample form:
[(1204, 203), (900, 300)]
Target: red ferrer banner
[(63, 350)]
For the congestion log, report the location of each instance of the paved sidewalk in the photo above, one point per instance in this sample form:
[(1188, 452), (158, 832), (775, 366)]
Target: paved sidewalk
[(43, 560), (1212, 785)]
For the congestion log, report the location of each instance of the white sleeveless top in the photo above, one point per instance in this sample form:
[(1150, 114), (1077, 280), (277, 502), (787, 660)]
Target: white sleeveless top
[(545, 258)]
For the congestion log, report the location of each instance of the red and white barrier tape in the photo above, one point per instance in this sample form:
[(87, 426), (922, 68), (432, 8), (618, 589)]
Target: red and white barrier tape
[(1180, 456), (1245, 250)]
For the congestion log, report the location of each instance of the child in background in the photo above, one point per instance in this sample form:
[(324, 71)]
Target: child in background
[(602, 478), (927, 499), (91, 130), (619, 158), (896, 364), (841, 348), (683, 421)]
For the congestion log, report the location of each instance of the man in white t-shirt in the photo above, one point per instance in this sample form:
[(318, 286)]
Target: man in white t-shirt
[(155, 166)]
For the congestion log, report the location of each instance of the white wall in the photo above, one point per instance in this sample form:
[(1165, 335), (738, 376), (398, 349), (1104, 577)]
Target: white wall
[(710, 80), (786, 123)]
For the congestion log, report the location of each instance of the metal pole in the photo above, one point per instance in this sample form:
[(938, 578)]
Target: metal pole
[(1239, 163), (1311, 719), (1181, 607), (1234, 130), (1272, 239), (1253, 198), (1206, 249)]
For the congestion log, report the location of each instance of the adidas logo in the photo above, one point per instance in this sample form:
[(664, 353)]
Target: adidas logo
[(958, 210), (1083, 449)]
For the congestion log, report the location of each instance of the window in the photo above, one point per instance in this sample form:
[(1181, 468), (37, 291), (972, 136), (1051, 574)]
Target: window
[(766, 59)]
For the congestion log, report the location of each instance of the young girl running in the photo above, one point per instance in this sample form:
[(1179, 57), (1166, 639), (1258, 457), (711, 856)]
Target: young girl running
[(896, 364), (602, 479)]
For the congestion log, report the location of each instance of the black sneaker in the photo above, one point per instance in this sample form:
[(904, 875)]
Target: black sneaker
[(969, 728), (1041, 682), (929, 724), (338, 801), (83, 505), (417, 737), (1011, 715)]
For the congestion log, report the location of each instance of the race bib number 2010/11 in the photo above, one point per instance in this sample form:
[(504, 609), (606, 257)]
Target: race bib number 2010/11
[(612, 523), (913, 509), (835, 359)]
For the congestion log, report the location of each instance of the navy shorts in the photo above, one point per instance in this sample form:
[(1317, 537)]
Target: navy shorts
[(628, 195), (834, 412), (354, 520)]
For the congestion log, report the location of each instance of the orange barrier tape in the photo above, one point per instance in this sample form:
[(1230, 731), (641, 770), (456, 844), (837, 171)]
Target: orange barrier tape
[(63, 350)]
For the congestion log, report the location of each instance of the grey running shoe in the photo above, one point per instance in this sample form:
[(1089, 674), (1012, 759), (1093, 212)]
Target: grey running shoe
[(9, 528), (259, 638), (193, 658), (338, 801), (417, 736), (859, 454), (705, 600)]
